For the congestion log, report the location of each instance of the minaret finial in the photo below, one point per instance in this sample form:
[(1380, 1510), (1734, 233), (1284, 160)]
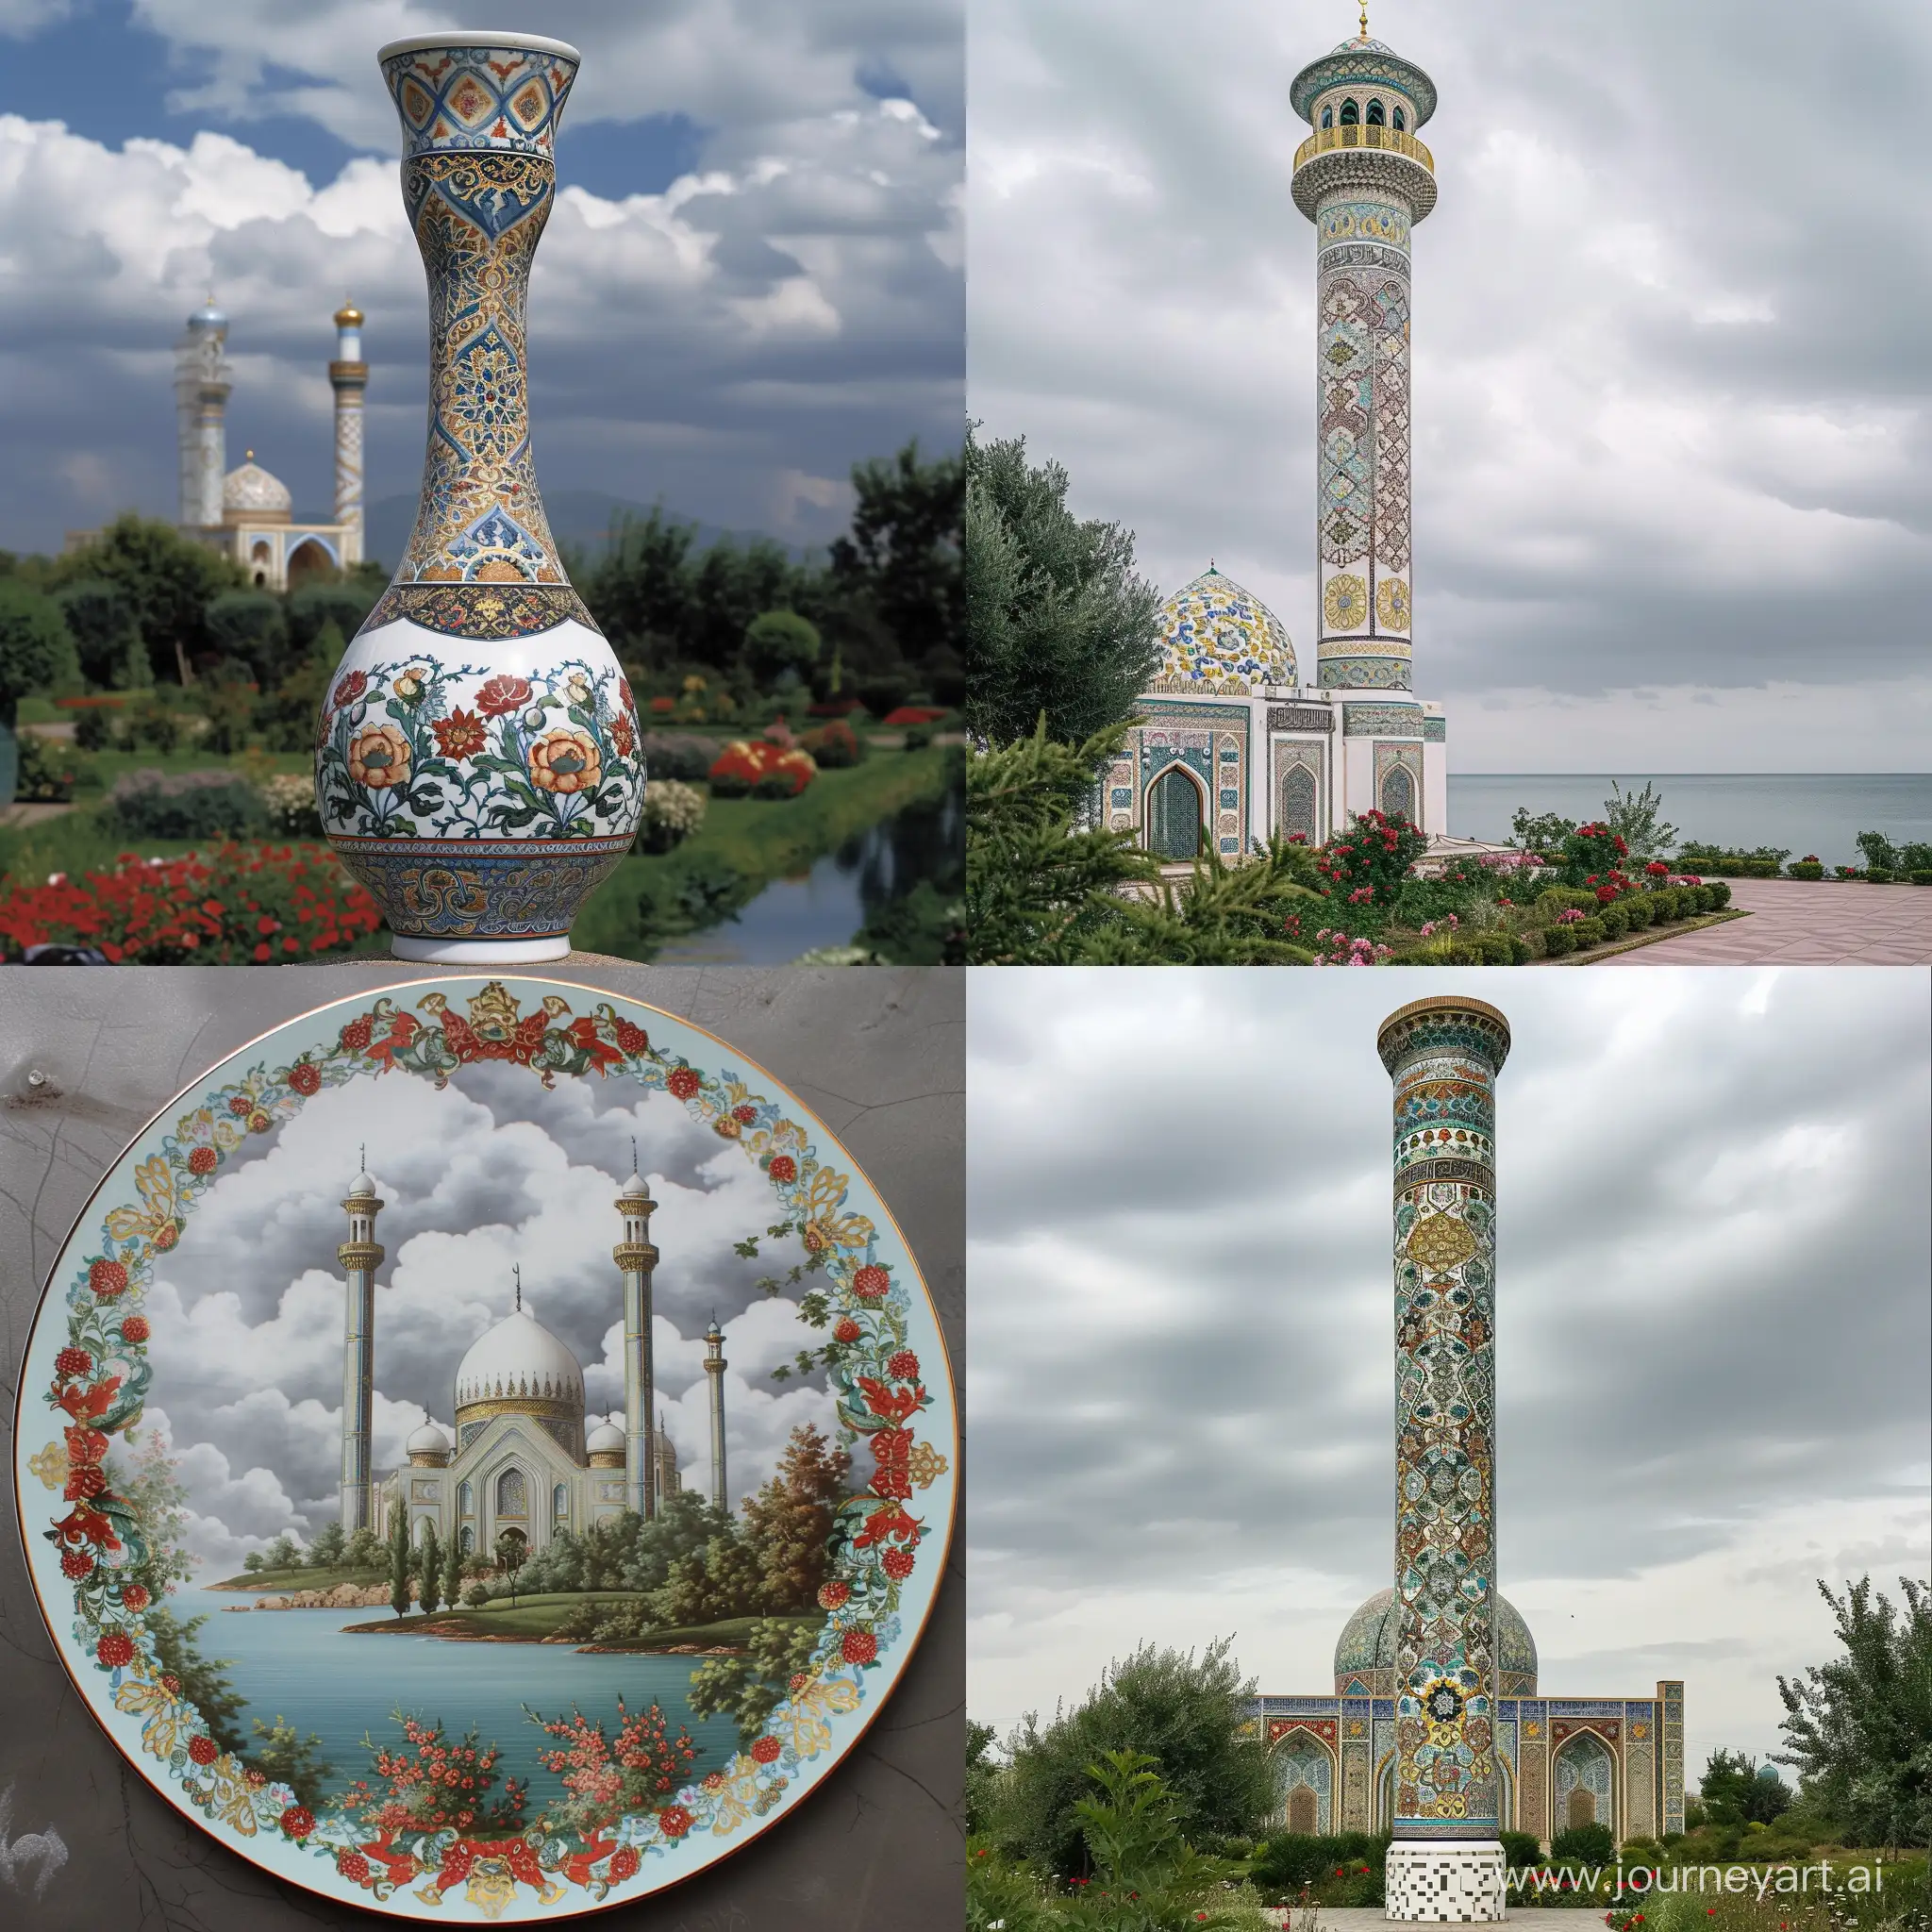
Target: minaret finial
[(1365, 19), (633, 1153), (517, 1270)]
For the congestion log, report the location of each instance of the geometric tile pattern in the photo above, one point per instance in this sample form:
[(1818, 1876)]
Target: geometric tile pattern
[(1217, 638), (1449, 1885)]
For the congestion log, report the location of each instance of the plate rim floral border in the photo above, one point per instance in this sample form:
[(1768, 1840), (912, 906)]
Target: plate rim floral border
[(554, 1905)]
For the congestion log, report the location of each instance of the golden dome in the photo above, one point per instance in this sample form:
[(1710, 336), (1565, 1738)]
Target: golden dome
[(348, 316)]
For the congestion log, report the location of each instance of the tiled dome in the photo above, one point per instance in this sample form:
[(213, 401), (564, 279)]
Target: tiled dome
[(1216, 637), (252, 491), (1366, 1652)]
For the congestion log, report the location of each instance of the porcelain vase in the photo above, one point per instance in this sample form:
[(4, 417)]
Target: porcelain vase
[(478, 764)]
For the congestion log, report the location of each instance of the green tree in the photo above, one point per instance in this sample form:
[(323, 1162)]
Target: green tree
[(781, 647), (169, 578), (36, 650), (1186, 1711), (1860, 1727), (1736, 1789), (901, 558), (511, 1554), (250, 630), (641, 588), (749, 1687), (982, 1775), (709, 1585), (1540, 832), (788, 1522), (252, 1561), (107, 634), (401, 1562), (284, 1756), (451, 1588), (363, 1551), (430, 1563), (312, 610), (284, 1553), (1636, 817), (1044, 890), (205, 1681), (1057, 624), (325, 1550)]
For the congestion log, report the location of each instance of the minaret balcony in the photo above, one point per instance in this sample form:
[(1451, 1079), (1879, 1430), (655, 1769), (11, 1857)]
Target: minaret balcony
[(635, 1257), (1335, 157), (360, 1254)]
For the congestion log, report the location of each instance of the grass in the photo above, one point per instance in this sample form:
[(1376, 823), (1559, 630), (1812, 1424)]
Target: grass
[(274, 1581), (533, 1617)]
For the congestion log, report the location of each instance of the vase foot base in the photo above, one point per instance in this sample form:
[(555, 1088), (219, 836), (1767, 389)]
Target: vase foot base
[(502, 951)]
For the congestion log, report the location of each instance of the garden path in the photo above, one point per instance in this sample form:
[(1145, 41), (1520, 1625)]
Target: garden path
[(1369, 1919), (1798, 922)]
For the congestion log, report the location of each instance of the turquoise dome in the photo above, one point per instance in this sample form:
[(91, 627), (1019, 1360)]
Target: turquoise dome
[(1217, 639), (1365, 1653)]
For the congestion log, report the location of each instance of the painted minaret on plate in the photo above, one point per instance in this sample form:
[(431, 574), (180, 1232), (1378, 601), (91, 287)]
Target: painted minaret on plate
[(636, 1257), (361, 1255), (348, 374), (1446, 1861), (714, 1368), (202, 382)]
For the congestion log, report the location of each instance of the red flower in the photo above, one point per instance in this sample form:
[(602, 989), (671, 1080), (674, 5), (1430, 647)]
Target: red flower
[(239, 1104), (662, 705), (71, 1362), (462, 735), (135, 1596), (625, 1861), (632, 1039), (744, 1116), (675, 1821), (783, 1169), (172, 1686), (135, 1328), (356, 1035), (305, 1078), (832, 1594), (115, 1649), (202, 1161), (298, 1821), (683, 1083), (166, 1236), (350, 689), (904, 1366), (353, 1866), (203, 1750), (621, 735), (847, 1330), (871, 1281), (502, 695), (766, 1750), (107, 1279), (859, 1647), (77, 1564), (897, 1564)]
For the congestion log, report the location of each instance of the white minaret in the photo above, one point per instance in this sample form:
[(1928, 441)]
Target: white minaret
[(349, 376), (636, 1257), (360, 1257), (714, 1368), (1364, 180), (202, 382)]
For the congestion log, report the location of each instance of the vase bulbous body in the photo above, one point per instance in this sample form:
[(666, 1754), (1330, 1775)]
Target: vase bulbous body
[(479, 763)]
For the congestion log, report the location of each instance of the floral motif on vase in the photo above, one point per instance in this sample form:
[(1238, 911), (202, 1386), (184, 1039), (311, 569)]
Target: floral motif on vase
[(98, 1357)]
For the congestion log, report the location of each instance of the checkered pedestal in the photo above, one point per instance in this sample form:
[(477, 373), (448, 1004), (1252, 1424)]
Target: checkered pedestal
[(1448, 1883)]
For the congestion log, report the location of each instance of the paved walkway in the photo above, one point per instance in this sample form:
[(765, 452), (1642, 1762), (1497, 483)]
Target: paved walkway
[(1369, 1919), (1796, 922)]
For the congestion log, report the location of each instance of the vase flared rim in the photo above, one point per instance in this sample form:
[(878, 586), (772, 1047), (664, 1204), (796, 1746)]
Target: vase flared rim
[(453, 39)]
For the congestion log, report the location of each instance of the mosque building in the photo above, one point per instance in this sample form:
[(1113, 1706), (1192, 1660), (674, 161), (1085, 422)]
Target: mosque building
[(1232, 745), (246, 512), (1438, 1728), (526, 1461)]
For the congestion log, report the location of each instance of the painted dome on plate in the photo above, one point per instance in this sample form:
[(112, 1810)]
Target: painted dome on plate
[(1216, 636), (520, 1358), (606, 1439), (1365, 1653), (252, 491)]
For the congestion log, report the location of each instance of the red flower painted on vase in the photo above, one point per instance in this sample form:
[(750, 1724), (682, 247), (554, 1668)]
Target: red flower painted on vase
[(203, 1750), (625, 1861), (871, 1281), (356, 1034), (203, 1161), (115, 1649), (675, 1821), (298, 1821), (783, 1169), (135, 1329), (683, 1083), (632, 1039), (77, 1564), (832, 1594), (502, 695), (135, 1597), (621, 736), (897, 1564), (350, 689), (766, 1750), (848, 1330), (305, 1078), (902, 1366), (107, 1279), (71, 1362), (859, 1647), (462, 735), (744, 1116)]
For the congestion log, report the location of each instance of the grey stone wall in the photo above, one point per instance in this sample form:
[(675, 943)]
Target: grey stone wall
[(878, 1053)]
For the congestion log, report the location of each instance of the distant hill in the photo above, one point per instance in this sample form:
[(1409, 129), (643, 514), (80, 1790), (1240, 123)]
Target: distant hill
[(581, 518)]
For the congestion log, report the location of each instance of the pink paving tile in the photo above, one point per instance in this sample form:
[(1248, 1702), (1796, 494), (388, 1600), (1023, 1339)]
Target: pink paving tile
[(1794, 923)]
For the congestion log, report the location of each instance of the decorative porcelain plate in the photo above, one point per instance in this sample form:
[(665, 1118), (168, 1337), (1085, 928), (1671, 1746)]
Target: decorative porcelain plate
[(485, 1452)]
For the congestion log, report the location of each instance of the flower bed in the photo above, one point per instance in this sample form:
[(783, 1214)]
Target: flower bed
[(762, 769), (237, 906)]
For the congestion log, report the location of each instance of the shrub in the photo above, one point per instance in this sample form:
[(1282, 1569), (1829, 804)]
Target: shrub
[(1584, 1844), (777, 643), (1369, 865), (48, 771), (1590, 932), (314, 608), (155, 726), (1592, 849), (1720, 895), (1880, 854), (1614, 921), (289, 798), (834, 747), (1555, 899), (1807, 868), (1521, 951), (1915, 856), (1921, 878), (680, 755), (94, 730), (107, 634), (1520, 1849), (248, 627), (1293, 1859), (186, 804), (917, 737), (1639, 909), (35, 649), (236, 906), (755, 766), (1559, 940), (1879, 875), (673, 811)]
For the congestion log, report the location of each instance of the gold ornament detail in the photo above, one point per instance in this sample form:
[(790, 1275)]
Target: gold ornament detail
[(1345, 601), (1439, 1241), (1391, 604), (924, 1464)]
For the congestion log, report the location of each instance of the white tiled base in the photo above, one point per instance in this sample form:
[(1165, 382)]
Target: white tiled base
[(1454, 1883)]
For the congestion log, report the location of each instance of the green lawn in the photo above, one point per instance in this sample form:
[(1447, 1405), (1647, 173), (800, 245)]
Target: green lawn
[(274, 1582)]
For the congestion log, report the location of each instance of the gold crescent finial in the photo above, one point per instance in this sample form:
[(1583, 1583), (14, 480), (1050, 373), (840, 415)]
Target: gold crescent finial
[(1365, 19)]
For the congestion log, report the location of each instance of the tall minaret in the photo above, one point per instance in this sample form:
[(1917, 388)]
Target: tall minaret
[(202, 382), (1364, 180), (1446, 1863), (349, 376), (360, 1257), (714, 1368), (636, 1257)]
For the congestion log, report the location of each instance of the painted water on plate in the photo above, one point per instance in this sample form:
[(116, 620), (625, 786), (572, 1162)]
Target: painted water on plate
[(301, 1665), (1811, 811)]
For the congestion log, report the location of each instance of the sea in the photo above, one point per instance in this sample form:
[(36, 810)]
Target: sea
[(1821, 812)]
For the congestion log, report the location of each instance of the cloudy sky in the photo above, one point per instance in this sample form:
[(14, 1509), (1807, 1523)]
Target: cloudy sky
[(492, 1171), (1672, 445), (1712, 1322), (752, 277)]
